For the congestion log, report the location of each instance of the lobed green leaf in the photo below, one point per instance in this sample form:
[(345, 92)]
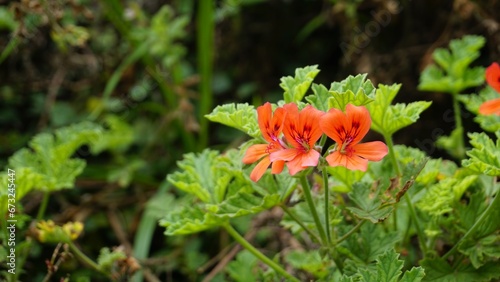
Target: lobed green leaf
[(452, 73), (439, 270), (472, 102), (388, 269), (296, 87), (356, 90), (240, 116), (387, 118), (485, 156)]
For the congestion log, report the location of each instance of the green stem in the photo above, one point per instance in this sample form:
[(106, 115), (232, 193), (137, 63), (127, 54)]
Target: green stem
[(205, 42), (392, 154), (244, 243), (413, 214), (460, 149), (414, 218), (43, 206), (307, 193), (395, 164), (85, 259), (492, 207), (300, 222), (327, 204), (353, 230)]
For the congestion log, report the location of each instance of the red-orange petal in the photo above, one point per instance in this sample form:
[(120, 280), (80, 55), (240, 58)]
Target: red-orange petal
[(255, 153), (493, 76), (277, 167), (352, 162), (309, 119), (360, 122), (339, 126), (333, 124), (373, 151), (270, 124), (260, 169), (490, 107), (284, 155), (291, 124)]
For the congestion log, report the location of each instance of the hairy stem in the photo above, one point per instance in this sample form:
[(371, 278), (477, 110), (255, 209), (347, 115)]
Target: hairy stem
[(300, 222), (350, 232), (245, 244), (85, 259), (43, 206), (327, 205), (307, 193)]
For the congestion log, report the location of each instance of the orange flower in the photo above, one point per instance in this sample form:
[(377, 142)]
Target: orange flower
[(493, 79), (301, 130), (490, 107), (347, 129), (271, 127), (493, 76)]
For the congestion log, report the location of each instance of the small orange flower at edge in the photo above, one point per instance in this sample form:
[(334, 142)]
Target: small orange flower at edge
[(301, 130), (347, 129), (493, 79), (271, 126)]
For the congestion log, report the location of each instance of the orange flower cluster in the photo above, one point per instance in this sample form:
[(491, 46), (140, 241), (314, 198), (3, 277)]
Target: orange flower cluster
[(291, 137), (493, 79)]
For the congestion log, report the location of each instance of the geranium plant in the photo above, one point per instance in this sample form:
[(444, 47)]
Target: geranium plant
[(359, 211)]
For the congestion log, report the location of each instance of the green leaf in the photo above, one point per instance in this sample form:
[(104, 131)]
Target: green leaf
[(199, 176), (50, 157), (410, 156), (303, 213), (440, 271), (453, 75), (388, 269), (356, 90), (371, 242), (485, 156), (387, 118), (310, 261), (188, 220), (118, 138), (434, 79), (320, 98), (482, 251), (243, 268), (224, 189), (343, 178), (441, 197), (472, 102), (240, 116), (296, 87), (415, 274), (469, 214), (368, 202), (109, 260), (244, 203), (452, 143)]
